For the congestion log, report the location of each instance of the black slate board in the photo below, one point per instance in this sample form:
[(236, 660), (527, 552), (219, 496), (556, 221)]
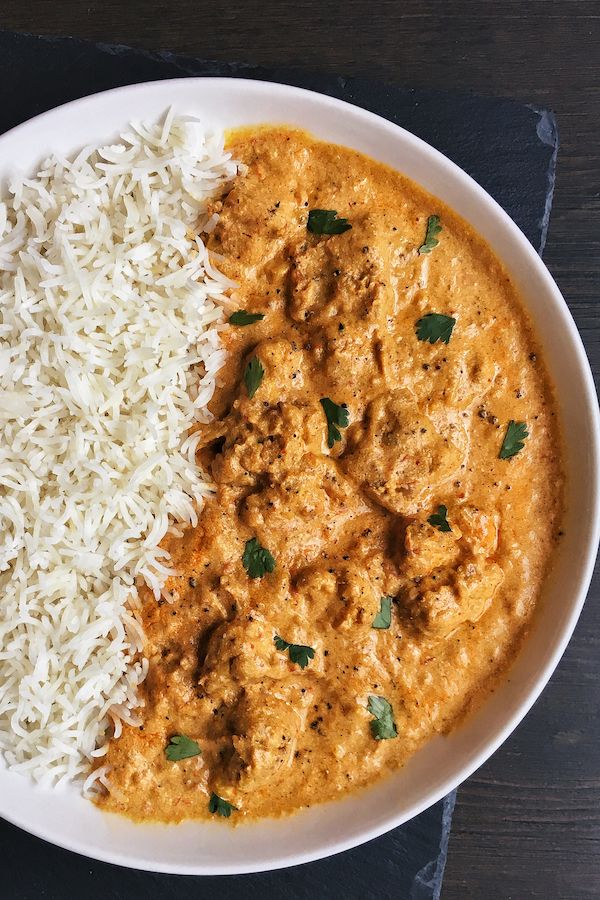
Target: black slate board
[(510, 149)]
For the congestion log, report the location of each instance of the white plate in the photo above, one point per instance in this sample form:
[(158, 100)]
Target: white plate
[(63, 817)]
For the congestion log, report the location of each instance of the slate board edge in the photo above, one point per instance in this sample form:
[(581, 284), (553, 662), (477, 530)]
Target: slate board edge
[(547, 130), (431, 877)]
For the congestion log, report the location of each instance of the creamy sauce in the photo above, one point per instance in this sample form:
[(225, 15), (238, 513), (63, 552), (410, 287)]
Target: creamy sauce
[(345, 525)]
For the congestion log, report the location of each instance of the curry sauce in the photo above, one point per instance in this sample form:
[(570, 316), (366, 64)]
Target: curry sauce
[(381, 531)]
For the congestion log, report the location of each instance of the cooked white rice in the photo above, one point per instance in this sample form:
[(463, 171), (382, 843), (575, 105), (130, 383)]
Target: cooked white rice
[(109, 343)]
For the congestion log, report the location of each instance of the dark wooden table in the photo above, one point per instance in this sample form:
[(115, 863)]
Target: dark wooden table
[(528, 823)]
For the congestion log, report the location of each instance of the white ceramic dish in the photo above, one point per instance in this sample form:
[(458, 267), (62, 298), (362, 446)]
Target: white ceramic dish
[(63, 817)]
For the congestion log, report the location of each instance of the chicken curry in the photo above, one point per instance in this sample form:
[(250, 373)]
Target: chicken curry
[(386, 458)]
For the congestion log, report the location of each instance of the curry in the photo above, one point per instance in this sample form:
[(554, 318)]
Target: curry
[(387, 463)]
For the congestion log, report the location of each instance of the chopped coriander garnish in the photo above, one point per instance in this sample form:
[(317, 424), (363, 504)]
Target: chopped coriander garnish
[(337, 417), (383, 726), (219, 806), (253, 376), (435, 327), (325, 221), (256, 559), (181, 747), (433, 229), (439, 520), (514, 439), (242, 317), (383, 619), (298, 653)]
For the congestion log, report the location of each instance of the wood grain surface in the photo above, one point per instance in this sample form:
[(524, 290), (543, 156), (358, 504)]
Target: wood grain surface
[(527, 825)]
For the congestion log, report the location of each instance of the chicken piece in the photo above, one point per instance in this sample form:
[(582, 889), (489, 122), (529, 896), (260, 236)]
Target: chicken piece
[(454, 576), (284, 378), (272, 441), (270, 432), (426, 549), (469, 379), (479, 530), (451, 424), (371, 555), (438, 608), (349, 275), (138, 760), (238, 236), (423, 548), (313, 591), (342, 595), (350, 353), (398, 455), (265, 726), (357, 601), (307, 510), (243, 652)]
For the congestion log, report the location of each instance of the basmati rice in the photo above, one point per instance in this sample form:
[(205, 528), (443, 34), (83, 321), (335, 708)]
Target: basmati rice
[(110, 313)]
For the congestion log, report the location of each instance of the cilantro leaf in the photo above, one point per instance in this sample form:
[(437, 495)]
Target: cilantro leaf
[(336, 415), (514, 439), (242, 317), (383, 726), (435, 327), (219, 806), (256, 559), (439, 520), (298, 653), (383, 619), (433, 229), (253, 376), (324, 221), (181, 747)]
